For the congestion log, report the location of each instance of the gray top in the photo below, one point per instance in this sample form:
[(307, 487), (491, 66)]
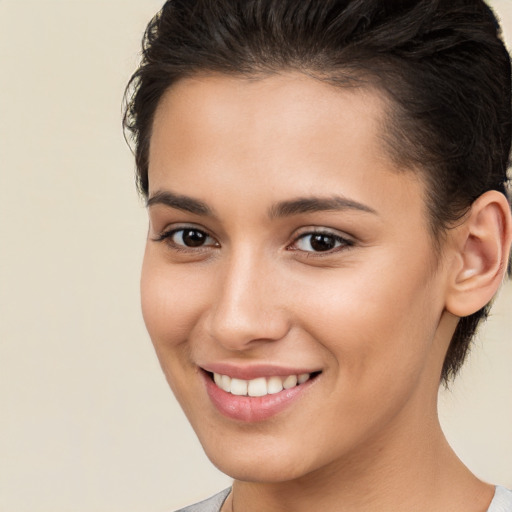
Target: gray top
[(212, 504), (502, 502)]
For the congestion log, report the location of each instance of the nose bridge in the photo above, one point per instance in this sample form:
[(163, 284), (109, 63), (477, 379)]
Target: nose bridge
[(245, 307)]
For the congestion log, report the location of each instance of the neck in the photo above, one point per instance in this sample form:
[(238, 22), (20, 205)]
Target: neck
[(397, 473)]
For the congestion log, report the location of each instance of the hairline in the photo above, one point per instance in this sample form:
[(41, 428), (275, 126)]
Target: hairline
[(337, 78)]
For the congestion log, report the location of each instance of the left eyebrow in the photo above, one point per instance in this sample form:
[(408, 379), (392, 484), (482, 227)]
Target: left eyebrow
[(317, 204), (179, 202)]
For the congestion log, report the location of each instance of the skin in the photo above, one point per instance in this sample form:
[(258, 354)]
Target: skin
[(375, 314)]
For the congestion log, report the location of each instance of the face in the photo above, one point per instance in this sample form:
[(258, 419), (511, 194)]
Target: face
[(289, 285)]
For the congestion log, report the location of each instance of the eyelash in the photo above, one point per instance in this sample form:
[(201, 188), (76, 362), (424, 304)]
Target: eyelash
[(343, 243), (167, 236)]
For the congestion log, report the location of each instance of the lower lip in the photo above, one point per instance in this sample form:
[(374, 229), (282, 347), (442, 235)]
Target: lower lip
[(252, 409)]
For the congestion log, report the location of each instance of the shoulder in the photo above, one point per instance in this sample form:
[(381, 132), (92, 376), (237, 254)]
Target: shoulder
[(212, 504), (502, 501)]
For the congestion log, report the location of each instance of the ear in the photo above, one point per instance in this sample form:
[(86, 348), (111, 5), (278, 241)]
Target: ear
[(482, 247)]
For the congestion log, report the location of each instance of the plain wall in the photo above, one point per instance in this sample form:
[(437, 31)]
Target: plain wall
[(87, 423)]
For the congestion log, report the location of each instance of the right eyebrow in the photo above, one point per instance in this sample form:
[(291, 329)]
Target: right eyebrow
[(317, 204), (180, 202)]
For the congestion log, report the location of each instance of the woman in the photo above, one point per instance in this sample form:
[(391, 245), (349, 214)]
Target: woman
[(328, 223)]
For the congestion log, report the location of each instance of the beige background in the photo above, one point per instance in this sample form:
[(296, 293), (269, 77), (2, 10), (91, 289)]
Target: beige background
[(86, 420)]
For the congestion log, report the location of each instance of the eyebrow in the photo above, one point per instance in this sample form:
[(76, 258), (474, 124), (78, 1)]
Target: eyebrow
[(185, 203), (317, 204), (289, 208)]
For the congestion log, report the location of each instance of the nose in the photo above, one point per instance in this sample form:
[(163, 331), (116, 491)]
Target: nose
[(245, 310)]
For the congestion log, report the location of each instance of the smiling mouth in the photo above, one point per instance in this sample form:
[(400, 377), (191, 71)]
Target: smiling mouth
[(260, 386)]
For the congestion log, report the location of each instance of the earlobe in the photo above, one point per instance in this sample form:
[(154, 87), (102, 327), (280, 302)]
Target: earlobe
[(482, 245)]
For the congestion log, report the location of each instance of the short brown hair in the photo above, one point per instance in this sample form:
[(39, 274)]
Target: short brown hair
[(442, 63)]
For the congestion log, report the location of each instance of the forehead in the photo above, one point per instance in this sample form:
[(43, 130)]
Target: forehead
[(281, 136), (292, 104)]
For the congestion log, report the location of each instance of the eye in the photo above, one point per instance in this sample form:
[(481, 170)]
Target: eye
[(188, 238), (320, 242)]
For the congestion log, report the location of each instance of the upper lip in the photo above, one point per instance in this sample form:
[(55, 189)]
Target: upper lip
[(254, 371)]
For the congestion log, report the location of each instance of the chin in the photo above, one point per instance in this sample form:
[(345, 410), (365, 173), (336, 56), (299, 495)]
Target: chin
[(253, 463), (271, 472)]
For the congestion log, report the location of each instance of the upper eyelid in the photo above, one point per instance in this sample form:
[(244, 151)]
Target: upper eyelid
[(168, 233), (299, 233), (178, 226), (166, 237), (315, 230), (345, 240)]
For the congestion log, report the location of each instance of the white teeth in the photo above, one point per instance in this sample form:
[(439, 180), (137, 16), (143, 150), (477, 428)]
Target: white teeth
[(259, 387), (303, 377), (274, 385), (290, 382), (225, 383), (238, 387)]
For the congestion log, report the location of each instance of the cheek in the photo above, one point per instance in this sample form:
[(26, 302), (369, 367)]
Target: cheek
[(171, 301), (171, 304), (375, 321)]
